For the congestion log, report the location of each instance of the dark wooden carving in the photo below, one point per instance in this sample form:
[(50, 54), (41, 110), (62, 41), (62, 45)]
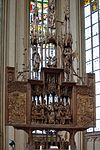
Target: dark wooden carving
[(10, 74), (52, 78), (50, 102), (36, 87)]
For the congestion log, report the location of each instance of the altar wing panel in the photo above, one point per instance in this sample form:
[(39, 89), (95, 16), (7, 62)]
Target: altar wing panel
[(85, 99)]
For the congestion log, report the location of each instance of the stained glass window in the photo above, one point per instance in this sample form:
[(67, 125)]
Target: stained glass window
[(38, 14), (38, 28), (42, 31), (92, 3), (86, 2), (92, 48)]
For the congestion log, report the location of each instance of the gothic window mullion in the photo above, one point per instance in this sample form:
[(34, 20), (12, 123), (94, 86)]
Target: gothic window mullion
[(99, 26), (91, 37)]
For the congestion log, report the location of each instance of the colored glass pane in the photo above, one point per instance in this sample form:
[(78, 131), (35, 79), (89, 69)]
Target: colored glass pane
[(38, 18), (94, 5), (30, 7), (45, 5), (86, 2), (45, 1), (39, 1)]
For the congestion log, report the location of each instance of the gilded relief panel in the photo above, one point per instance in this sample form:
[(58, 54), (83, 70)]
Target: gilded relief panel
[(85, 111), (16, 101), (17, 107), (85, 101)]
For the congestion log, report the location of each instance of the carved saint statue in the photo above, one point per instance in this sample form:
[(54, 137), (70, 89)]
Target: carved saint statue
[(68, 41), (33, 38), (36, 61), (51, 117), (51, 15), (67, 53)]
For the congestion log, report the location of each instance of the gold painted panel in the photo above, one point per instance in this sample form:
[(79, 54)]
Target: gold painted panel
[(16, 107), (85, 111)]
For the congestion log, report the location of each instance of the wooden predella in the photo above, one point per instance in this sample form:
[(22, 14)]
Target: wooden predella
[(50, 103)]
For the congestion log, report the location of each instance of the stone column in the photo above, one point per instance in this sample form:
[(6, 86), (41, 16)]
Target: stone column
[(3, 62), (10, 54), (21, 50), (72, 142), (21, 139), (22, 37), (14, 48), (79, 140), (1, 73)]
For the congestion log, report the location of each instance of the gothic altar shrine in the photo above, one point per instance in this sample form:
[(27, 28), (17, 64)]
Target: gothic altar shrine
[(50, 103)]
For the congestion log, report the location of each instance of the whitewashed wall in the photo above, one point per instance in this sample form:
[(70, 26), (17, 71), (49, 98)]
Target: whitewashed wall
[(15, 47)]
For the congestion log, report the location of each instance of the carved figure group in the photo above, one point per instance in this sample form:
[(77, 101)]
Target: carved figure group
[(54, 113)]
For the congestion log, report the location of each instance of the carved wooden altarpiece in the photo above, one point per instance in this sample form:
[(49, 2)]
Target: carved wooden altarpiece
[(50, 103)]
